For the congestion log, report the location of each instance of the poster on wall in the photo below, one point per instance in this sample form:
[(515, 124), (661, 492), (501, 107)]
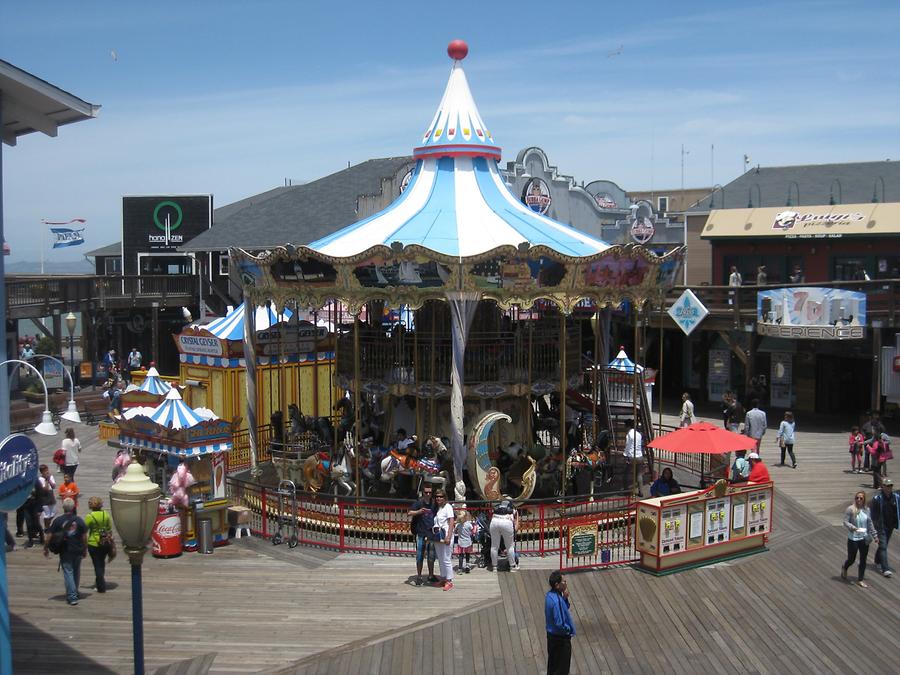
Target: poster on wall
[(811, 313), (781, 379), (718, 375)]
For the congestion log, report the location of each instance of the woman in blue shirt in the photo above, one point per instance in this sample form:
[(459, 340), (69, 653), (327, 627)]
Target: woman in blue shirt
[(785, 437)]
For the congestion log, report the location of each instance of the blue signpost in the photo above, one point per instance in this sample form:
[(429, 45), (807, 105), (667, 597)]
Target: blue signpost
[(18, 471)]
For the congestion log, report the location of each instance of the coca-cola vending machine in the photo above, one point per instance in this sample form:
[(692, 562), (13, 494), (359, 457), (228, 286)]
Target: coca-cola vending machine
[(167, 531)]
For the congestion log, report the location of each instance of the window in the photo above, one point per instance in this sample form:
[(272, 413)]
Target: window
[(662, 204), (223, 265), (112, 266)]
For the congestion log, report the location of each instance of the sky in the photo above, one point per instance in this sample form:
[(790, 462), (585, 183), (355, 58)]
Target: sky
[(232, 98)]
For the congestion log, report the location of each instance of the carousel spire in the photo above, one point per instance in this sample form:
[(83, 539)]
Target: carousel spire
[(457, 129)]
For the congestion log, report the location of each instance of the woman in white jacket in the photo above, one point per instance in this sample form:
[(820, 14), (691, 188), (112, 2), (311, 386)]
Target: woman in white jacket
[(861, 533)]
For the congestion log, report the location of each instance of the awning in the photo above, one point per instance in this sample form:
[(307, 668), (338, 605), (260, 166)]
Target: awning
[(805, 222), (178, 451)]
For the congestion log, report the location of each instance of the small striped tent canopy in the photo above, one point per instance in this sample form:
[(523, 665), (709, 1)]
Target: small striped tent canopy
[(177, 450), (154, 384), (174, 413), (457, 203), (231, 326), (623, 363)]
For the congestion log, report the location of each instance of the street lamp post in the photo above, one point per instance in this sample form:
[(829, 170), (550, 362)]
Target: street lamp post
[(46, 426), (71, 320), (71, 414), (134, 501)]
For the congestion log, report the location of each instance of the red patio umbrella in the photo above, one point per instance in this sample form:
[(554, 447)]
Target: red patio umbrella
[(703, 438)]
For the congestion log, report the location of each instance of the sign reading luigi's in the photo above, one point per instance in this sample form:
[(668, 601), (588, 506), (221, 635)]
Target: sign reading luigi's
[(161, 224)]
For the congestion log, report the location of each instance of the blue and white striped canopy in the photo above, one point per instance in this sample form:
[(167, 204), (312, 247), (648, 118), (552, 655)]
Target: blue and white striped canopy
[(623, 363), (457, 203), (231, 326), (179, 451), (153, 384), (175, 413)]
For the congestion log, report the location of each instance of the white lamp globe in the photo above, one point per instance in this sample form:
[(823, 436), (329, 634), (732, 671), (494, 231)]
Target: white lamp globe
[(134, 501)]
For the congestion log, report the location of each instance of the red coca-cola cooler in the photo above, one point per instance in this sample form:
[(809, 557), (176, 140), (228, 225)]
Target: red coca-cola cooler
[(167, 533)]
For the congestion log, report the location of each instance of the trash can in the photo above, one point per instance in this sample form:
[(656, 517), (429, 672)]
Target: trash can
[(167, 533), (204, 536)]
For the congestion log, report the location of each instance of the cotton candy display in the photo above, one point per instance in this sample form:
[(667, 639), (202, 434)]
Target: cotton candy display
[(123, 459), (179, 483)]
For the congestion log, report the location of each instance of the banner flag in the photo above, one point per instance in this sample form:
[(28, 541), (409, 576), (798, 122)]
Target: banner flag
[(67, 237)]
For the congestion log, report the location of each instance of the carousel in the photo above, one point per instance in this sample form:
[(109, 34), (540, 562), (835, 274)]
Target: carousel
[(501, 307)]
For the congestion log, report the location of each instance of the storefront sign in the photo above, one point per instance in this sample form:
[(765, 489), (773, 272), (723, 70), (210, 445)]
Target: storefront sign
[(604, 201), (18, 470), (199, 344), (536, 196), (290, 339), (811, 313), (688, 311), (791, 220), (160, 224), (642, 230), (719, 366), (781, 377)]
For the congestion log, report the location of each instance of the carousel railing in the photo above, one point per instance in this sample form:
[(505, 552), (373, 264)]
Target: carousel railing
[(491, 356), (372, 525)]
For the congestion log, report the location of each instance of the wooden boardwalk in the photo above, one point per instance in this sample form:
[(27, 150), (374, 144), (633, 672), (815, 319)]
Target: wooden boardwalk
[(253, 607)]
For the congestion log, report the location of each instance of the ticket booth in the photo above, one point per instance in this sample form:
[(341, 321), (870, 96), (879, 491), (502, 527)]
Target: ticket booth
[(703, 526)]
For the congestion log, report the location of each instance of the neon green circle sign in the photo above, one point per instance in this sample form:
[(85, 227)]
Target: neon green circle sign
[(170, 206)]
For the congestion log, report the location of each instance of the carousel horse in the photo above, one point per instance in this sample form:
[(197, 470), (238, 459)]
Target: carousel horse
[(320, 469), (397, 463), (302, 424)]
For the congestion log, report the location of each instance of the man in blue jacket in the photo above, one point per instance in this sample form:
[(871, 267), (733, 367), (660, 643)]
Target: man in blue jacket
[(560, 627), (885, 510)]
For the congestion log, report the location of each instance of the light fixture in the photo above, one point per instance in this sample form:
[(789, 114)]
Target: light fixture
[(134, 501), (46, 426), (71, 414)]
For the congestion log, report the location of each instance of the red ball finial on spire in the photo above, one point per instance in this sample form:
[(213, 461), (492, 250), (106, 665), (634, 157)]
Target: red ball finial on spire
[(457, 50)]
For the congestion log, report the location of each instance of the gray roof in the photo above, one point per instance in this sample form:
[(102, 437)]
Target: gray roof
[(296, 214), (105, 251), (852, 183)]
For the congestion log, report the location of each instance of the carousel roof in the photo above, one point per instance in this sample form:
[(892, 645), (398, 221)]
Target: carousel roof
[(231, 326), (174, 413), (623, 363), (153, 384), (457, 202)]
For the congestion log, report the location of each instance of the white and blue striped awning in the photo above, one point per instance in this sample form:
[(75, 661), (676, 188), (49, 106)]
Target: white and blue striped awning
[(623, 363), (166, 448), (231, 326), (153, 384), (457, 203), (175, 413)]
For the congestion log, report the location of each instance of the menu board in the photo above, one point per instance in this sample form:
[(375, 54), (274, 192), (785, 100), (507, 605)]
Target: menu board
[(717, 519), (674, 529)]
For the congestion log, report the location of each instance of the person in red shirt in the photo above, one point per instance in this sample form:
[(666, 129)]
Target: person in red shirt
[(759, 472)]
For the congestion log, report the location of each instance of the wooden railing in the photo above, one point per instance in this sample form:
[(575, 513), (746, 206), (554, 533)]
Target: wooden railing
[(68, 293)]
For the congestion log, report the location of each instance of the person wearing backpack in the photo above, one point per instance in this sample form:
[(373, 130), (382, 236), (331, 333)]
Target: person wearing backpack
[(68, 539), (99, 525)]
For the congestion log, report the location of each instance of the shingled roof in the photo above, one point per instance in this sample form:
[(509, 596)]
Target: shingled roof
[(296, 214), (850, 183)]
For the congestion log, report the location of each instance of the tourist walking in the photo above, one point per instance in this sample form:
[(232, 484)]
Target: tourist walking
[(422, 525), (72, 447), (856, 450), (885, 511), (98, 524), (785, 438), (560, 627), (69, 490), (687, 410), (633, 454), (504, 523), (74, 547), (861, 533), (879, 450), (872, 428), (46, 490), (755, 423), (443, 532)]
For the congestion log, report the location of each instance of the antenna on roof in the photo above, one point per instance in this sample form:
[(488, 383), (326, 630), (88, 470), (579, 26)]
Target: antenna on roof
[(348, 163)]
